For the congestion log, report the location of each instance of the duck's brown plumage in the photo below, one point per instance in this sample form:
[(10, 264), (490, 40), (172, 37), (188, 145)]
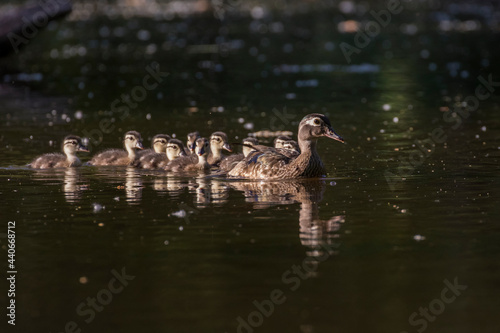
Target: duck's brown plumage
[(150, 158), (273, 164), (197, 162), (116, 157), (231, 161), (71, 145)]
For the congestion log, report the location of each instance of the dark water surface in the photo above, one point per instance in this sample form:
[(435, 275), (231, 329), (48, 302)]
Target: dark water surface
[(360, 251)]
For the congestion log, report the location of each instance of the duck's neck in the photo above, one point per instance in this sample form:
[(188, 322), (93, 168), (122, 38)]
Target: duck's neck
[(131, 153), (308, 162), (216, 152), (72, 158), (202, 161)]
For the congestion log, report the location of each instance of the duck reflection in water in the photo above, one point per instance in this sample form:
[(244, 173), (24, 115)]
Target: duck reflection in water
[(73, 182), (314, 232), (133, 185)]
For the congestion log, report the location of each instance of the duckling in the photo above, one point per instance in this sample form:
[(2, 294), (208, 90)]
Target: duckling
[(70, 146), (149, 158), (191, 141), (218, 141), (175, 149), (280, 140), (272, 164), (188, 163), (132, 141), (158, 145), (230, 162), (292, 146)]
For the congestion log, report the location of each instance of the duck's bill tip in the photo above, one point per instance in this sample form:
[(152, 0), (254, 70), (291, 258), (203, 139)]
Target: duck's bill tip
[(139, 146), (227, 147), (334, 136)]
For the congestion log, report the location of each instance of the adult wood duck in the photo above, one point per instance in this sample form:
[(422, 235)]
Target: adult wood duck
[(71, 145), (272, 164), (189, 163), (231, 161), (132, 141), (218, 142)]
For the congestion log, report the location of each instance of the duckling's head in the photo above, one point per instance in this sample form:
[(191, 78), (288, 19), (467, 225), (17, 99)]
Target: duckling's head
[(315, 125), (218, 141), (133, 140), (159, 143), (291, 145), (202, 147), (191, 140), (72, 144), (280, 140), (248, 143), (175, 148)]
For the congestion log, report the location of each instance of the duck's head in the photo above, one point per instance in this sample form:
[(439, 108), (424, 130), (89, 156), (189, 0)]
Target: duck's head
[(218, 141), (316, 125), (291, 145), (72, 144), (191, 141), (202, 147), (133, 140), (175, 148), (280, 140), (248, 143), (159, 143)]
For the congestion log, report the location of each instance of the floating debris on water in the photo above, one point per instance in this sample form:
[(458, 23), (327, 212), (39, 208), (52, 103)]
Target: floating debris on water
[(419, 238), (180, 214)]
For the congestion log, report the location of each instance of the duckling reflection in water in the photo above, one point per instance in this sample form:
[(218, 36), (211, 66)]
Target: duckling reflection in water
[(192, 163), (71, 145), (274, 164), (132, 141)]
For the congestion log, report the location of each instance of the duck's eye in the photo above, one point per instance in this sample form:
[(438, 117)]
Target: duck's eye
[(316, 121)]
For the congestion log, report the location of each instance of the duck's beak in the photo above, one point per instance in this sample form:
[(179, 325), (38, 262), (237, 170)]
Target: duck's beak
[(330, 133), (201, 151), (191, 147), (138, 145), (82, 148), (227, 147)]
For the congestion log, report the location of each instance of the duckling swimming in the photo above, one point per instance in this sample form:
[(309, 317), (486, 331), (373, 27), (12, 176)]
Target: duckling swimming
[(280, 140), (191, 141), (158, 145), (149, 158), (231, 161), (292, 146), (175, 149), (71, 145), (132, 141), (218, 142), (189, 163), (272, 164)]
